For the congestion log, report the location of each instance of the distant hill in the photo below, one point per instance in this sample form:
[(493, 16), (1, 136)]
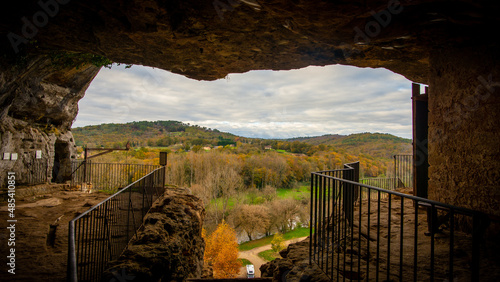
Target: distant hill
[(149, 133), (374, 151), (169, 133), (379, 145), (317, 140)]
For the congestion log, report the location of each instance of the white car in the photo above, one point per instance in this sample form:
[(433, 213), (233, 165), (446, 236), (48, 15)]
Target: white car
[(250, 271)]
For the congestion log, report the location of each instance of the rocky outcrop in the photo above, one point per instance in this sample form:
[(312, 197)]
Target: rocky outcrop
[(448, 44), (209, 39), (294, 265), (38, 103), (170, 246)]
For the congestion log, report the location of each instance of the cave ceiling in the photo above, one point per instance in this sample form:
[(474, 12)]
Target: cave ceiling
[(206, 40)]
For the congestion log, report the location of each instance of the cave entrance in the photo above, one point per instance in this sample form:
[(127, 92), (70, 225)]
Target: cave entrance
[(61, 171)]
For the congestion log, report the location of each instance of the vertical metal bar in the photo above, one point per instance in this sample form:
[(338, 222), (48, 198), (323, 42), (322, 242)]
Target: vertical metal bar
[(338, 223), (79, 241), (401, 238), (368, 235), (94, 244), (334, 225), (378, 236), (323, 223), (85, 264), (351, 225), (415, 243), (434, 228), (452, 244), (359, 231), (316, 217), (476, 246), (71, 274), (389, 238), (311, 220), (128, 212), (328, 212), (85, 167), (345, 226), (320, 227), (104, 237)]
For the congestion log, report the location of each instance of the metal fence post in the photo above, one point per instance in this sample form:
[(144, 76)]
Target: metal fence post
[(71, 273)]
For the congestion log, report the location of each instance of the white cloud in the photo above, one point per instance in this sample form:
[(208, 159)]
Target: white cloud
[(270, 104)]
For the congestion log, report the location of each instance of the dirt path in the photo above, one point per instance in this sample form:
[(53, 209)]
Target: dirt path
[(35, 260), (252, 256)]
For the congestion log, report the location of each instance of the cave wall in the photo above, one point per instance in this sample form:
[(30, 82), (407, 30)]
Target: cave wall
[(464, 128), (448, 44), (38, 103)]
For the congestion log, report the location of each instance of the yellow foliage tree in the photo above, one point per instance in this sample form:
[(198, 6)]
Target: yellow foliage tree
[(221, 251), (278, 242)]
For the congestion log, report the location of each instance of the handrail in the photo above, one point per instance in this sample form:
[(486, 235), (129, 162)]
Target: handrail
[(343, 246), (465, 211), (101, 233)]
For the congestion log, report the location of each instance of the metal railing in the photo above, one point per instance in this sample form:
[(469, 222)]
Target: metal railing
[(107, 176), (403, 169), (100, 234), (367, 233), (36, 172), (388, 183), (31, 172)]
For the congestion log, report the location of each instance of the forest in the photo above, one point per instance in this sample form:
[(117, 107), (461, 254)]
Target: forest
[(258, 186)]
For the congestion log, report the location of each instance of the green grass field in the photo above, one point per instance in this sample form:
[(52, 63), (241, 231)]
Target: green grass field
[(282, 193), (296, 233), (298, 193), (269, 255), (244, 261)]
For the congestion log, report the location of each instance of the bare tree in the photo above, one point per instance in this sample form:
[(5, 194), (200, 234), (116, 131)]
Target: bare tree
[(283, 214), (251, 219)]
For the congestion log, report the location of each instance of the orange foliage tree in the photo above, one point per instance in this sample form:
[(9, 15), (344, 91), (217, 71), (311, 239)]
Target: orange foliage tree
[(221, 251)]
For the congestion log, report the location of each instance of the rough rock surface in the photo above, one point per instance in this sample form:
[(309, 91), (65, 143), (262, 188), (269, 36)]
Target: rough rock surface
[(464, 130), (209, 39), (38, 103), (448, 44), (170, 246), (294, 265)]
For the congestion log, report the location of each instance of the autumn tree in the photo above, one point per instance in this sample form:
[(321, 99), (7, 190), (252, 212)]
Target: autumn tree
[(251, 219), (221, 251), (278, 242), (283, 213)]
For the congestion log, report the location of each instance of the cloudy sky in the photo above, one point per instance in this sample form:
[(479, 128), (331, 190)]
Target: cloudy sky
[(268, 104)]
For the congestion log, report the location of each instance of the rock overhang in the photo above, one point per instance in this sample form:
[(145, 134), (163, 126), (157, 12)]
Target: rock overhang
[(207, 40)]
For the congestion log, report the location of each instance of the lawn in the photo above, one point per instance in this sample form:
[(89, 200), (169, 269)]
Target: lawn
[(296, 233), (269, 255), (244, 261), (294, 193)]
